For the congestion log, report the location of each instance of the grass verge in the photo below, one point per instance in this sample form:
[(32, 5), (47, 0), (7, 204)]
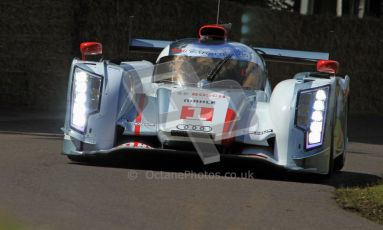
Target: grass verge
[(367, 201), (8, 224)]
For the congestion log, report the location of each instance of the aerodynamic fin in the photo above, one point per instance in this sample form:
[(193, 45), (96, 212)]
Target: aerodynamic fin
[(269, 54), (148, 45), (291, 56)]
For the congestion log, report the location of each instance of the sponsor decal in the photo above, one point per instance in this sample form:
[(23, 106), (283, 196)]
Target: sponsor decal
[(197, 128), (209, 95), (146, 124), (243, 54), (197, 101), (178, 50), (263, 132), (197, 113), (201, 94), (135, 144), (182, 93)]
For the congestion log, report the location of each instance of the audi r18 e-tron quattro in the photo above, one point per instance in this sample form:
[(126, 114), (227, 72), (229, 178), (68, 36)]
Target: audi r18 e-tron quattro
[(210, 96)]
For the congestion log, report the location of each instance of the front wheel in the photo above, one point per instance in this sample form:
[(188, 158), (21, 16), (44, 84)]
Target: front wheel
[(339, 162), (78, 159), (331, 162)]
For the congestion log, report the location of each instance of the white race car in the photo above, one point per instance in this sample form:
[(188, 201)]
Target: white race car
[(212, 97)]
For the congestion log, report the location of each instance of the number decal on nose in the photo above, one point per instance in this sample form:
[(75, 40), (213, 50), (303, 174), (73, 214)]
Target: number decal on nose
[(197, 113)]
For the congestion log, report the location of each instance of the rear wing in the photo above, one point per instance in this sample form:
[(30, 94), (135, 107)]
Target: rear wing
[(147, 45), (269, 54), (291, 56)]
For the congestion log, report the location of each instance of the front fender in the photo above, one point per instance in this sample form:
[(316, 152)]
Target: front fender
[(100, 128), (289, 147), (282, 110)]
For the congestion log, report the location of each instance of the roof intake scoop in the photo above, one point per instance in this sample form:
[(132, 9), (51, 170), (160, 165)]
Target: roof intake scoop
[(213, 32)]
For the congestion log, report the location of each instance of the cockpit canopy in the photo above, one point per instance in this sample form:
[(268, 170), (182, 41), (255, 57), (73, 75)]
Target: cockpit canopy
[(190, 61)]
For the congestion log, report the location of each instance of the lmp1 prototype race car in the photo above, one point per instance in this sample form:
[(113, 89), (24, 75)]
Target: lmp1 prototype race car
[(209, 96)]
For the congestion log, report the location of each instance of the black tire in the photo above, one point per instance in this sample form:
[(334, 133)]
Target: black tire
[(331, 163), (339, 162), (78, 159), (331, 160)]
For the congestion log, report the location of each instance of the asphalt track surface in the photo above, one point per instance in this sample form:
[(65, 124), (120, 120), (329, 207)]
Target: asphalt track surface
[(43, 190)]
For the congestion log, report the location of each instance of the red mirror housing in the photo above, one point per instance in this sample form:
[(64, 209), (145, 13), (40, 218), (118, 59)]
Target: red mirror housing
[(90, 48), (328, 66)]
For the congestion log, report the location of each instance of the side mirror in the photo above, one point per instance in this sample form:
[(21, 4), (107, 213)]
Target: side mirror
[(328, 66), (90, 48)]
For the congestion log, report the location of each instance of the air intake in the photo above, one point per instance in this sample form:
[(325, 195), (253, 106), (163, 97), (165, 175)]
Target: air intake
[(213, 32)]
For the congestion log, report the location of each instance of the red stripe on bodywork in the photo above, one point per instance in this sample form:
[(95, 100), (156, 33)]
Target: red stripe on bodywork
[(137, 128), (230, 117)]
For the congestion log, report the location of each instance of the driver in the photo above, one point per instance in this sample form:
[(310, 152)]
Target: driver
[(185, 69), (252, 76), (182, 72)]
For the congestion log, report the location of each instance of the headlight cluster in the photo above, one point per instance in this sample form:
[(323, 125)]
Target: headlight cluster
[(311, 115), (86, 91)]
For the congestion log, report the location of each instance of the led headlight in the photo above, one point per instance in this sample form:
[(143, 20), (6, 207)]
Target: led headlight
[(311, 115), (86, 91)]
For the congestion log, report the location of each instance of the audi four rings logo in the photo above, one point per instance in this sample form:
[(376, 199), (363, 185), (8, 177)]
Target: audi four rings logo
[(198, 128)]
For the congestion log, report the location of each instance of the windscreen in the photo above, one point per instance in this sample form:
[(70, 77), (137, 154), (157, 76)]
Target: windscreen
[(185, 70)]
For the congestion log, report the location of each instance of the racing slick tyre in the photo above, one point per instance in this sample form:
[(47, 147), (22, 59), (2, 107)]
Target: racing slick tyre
[(331, 165), (78, 159), (340, 160), (331, 160)]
